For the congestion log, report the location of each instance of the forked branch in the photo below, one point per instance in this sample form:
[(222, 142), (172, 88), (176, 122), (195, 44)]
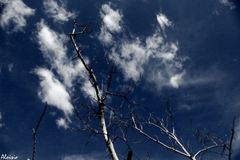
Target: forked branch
[(100, 100), (177, 145)]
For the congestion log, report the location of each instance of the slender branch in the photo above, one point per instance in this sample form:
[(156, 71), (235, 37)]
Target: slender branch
[(206, 149), (119, 95), (35, 130), (130, 154), (89, 70), (157, 140), (171, 135), (108, 82), (181, 149), (231, 139), (163, 129), (101, 105)]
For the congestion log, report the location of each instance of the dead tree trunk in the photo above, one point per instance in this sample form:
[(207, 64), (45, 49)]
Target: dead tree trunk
[(100, 101)]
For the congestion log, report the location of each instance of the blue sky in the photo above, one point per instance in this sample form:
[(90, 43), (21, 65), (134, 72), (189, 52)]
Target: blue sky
[(186, 52)]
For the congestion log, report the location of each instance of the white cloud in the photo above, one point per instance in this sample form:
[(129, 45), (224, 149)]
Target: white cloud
[(153, 59), (91, 156), (176, 80), (111, 23), (62, 123), (105, 36), (88, 90), (15, 12), (163, 21), (57, 11), (111, 18), (53, 91), (130, 57), (53, 47), (68, 73)]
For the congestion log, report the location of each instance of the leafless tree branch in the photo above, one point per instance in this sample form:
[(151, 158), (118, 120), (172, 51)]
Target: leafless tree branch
[(100, 101), (35, 131), (231, 139), (180, 147)]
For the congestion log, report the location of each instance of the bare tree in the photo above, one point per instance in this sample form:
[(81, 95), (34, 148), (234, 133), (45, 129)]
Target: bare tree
[(113, 123), (100, 98), (173, 142), (167, 127)]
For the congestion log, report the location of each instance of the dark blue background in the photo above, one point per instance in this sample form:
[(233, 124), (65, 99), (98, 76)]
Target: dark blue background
[(208, 33)]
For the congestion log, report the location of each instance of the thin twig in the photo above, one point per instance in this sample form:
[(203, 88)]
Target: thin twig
[(35, 130), (231, 139)]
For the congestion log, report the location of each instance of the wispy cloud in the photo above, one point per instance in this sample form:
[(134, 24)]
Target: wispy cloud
[(62, 123), (130, 57), (111, 23), (67, 73), (155, 59), (15, 13), (163, 21), (57, 11), (204, 77), (152, 58), (92, 156), (227, 3), (53, 47), (177, 80), (53, 91)]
